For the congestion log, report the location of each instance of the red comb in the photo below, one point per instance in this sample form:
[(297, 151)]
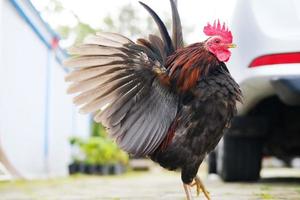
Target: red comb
[(216, 29)]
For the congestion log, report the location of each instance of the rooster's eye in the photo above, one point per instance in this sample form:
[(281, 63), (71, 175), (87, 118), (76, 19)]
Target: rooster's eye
[(217, 41)]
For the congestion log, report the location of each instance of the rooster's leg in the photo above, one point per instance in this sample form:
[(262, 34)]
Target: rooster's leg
[(187, 189), (200, 187)]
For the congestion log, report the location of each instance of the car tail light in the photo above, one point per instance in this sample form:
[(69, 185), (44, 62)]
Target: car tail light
[(272, 59)]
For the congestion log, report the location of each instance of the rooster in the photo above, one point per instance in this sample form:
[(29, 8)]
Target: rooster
[(157, 97)]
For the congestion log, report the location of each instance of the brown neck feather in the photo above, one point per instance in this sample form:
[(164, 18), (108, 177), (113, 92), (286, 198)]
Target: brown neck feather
[(187, 65)]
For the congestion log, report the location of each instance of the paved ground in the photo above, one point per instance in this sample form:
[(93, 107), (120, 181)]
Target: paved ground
[(156, 184)]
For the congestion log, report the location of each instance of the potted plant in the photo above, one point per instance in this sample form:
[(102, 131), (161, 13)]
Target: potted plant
[(77, 156), (97, 155), (121, 161), (91, 151), (105, 155)]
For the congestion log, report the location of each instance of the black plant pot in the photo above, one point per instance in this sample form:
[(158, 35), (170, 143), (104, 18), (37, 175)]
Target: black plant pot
[(98, 169), (81, 168), (117, 169), (103, 169), (90, 169), (73, 168)]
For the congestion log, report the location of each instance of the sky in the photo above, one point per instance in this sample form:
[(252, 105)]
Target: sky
[(194, 13)]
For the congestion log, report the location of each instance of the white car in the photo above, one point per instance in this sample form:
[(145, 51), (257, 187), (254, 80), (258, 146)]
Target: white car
[(266, 64)]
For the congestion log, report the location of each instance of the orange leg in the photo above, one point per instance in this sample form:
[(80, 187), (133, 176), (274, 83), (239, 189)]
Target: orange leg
[(200, 187), (187, 189)]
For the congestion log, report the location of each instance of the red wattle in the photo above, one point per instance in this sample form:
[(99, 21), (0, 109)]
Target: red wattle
[(223, 55)]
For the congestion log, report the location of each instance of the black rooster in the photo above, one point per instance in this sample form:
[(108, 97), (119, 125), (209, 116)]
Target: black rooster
[(156, 97)]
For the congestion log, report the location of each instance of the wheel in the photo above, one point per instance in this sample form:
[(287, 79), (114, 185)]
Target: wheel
[(239, 158), (212, 163)]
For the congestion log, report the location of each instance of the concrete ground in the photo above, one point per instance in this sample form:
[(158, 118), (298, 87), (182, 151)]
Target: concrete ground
[(277, 184)]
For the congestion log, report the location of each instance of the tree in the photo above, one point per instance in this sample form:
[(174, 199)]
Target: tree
[(127, 23)]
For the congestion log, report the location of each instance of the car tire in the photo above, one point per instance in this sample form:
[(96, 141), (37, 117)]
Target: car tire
[(239, 159)]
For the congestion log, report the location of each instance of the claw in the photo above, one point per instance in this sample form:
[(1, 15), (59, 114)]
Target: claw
[(200, 187), (197, 188)]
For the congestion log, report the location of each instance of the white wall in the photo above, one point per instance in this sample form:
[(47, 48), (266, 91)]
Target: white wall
[(22, 94), (1, 5), (62, 124), (23, 101)]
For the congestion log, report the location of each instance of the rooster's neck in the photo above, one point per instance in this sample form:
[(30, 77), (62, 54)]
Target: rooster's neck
[(187, 65)]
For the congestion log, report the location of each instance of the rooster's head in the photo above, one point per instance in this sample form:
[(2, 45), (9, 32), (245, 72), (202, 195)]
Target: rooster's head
[(220, 40)]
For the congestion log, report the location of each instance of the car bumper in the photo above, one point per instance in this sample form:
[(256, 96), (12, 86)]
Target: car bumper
[(256, 83), (287, 89)]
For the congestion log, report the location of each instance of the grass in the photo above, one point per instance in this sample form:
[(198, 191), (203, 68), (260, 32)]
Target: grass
[(266, 188), (265, 196)]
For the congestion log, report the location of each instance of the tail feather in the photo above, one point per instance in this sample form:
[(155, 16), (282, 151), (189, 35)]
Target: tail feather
[(176, 27), (162, 29)]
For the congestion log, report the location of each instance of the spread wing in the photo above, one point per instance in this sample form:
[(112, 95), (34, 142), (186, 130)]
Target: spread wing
[(126, 86), (120, 82)]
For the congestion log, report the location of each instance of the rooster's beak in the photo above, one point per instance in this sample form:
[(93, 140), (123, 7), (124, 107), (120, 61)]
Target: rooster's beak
[(231, 45)]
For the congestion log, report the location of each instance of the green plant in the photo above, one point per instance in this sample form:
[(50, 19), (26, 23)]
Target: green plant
[(91, 150), (98, 130), (76, 143), (122, 157), (102, 151), (97, 150)]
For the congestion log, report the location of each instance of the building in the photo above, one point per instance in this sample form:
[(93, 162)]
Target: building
[(36, 115)]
